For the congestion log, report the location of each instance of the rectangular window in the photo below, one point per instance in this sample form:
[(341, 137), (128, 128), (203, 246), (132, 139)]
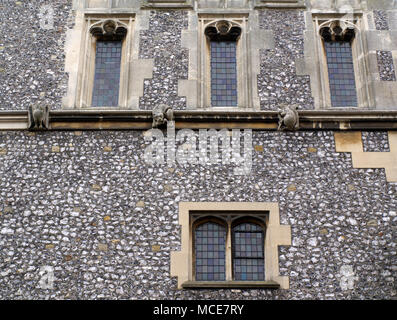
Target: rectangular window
[(107, 73), (223, 74), (248, 252), (341, 73), (210, 240)]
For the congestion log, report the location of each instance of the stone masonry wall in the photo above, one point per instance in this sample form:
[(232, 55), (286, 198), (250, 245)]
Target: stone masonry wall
[(162, 42), (278, 82), (31, 57), (87, 205)]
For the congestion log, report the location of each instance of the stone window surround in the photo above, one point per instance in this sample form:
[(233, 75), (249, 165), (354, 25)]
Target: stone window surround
[(197, 87), (276, 235), (205, 60), (80, 59), (228, 221), (87, 59), (359, 61)]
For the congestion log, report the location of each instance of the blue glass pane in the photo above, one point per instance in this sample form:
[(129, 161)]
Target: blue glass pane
[(210, 242), (223, 74), (248, 252), (341, 74), (107, 73)]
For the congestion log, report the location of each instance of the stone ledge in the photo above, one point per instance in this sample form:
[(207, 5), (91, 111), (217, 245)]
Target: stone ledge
[(230, 285), (114, 119)]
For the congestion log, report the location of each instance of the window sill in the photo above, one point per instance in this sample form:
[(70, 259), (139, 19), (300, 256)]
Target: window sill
[(230, 285)]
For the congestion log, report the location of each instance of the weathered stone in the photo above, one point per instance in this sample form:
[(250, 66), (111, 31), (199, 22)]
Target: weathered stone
[(55, 149), (324, 231), (291, 187), (96, 187), (8, 210), (140, 204), (102, 247), (68, 257)]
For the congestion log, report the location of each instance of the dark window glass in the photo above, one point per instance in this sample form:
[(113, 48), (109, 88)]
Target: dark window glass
[(210, 242), (248, 252), (107, 73), (341, 73), (223, 74)]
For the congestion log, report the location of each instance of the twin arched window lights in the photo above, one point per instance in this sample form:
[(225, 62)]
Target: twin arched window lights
[(229, 249)]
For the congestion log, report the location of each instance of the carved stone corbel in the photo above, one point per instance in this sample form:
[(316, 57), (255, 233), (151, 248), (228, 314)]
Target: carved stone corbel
[(288, 118), (39, 117), (161, 115)]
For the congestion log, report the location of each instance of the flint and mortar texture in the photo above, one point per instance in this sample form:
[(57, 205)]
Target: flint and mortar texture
[(87, 205), (381, 20), (93, 209), (375, 141), (277, 81), (162, 42), (386, 66), (31, 57)]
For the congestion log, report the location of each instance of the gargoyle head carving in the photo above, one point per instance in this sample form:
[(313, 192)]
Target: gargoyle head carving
[(288, 118), (162, 114)]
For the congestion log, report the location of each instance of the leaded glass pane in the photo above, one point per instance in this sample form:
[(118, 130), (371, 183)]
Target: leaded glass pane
[(248, 252), (107, 73), (210, 242), (223, 74), (341, 73)]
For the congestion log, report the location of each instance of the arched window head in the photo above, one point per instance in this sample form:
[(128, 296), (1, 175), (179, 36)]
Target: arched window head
[(223, 30), (109, 30), (337, 31)]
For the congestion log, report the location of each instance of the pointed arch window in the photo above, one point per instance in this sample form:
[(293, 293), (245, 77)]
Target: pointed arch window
[(338, 38), (223, 39), (109, 40)]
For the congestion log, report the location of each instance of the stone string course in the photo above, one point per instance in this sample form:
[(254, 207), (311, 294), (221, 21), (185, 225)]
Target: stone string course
[(106, 222)]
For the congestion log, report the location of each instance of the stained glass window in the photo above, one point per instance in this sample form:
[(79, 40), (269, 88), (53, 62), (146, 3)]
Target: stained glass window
[(223, 74), (210, 243), (248, 252), (107, 73), (341, 73)]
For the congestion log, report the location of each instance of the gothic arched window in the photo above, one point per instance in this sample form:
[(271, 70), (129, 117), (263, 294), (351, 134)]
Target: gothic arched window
[(223, 37), (338, 38)]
